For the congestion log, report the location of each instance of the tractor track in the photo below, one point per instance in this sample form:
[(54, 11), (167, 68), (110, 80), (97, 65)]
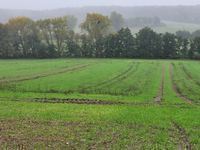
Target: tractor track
[(70, 101), (122, 76), (175, 88), (88, 101), (72, 69), (159, 97), (77, 101), (189, 76), (184, 143)]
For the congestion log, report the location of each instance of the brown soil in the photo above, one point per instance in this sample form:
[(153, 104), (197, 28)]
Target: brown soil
[(175, 88), (76, 101), (26, 134), (184, 142)]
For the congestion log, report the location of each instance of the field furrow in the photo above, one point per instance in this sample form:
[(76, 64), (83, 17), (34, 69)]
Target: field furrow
[(159, 97), (175, 88), (189, 76), (111, 81), (42, 75), (183, 138)]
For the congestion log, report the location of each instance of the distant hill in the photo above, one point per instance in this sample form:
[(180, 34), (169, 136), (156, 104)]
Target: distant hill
[(187, 14)]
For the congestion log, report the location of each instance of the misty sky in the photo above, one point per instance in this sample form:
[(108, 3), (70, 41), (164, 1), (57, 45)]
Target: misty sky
[(52, 4)]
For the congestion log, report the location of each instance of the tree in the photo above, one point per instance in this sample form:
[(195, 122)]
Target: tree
[(183, 34), (111, 45), (60, 32), (125, 45), (5, 49), (196, 34), (182, 47), (71, 22), (46, 31), (194, 47), (87, 46), (169, 45), (20, 30), (22, 37), (148, 44), (117, 21), (96, 25), (55, 32), (73, 45)]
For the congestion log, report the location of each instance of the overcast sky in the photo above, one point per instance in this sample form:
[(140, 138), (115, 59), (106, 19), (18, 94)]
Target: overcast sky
[(52, 4)]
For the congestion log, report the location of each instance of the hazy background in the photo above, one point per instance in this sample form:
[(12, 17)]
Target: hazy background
[(174, 14), (52, 4)]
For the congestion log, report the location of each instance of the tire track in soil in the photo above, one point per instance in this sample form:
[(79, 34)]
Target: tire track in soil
[(72, 69), (87, 101), (159, 97), (75, 101), (122, 76), (175, 88), (184, 143), (78, 101), (189, 76)]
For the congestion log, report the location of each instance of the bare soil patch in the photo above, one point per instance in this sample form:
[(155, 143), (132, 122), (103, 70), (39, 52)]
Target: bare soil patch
[(184, 142)]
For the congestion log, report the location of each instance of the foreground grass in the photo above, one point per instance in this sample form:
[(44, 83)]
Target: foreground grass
[(139, 122), (81, 125)]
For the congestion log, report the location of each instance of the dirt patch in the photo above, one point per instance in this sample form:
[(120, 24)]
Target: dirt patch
[(76, 101), (159, 97), (184, 142), (82, 101), (175, 88), (31, 134)]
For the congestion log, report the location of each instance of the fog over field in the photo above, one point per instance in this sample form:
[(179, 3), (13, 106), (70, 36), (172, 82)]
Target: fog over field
[(52, 4)]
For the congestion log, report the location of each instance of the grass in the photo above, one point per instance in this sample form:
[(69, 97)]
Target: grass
[(139, 123), (173, 27)]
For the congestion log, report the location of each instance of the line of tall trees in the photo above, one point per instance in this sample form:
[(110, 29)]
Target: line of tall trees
[(101, 37)]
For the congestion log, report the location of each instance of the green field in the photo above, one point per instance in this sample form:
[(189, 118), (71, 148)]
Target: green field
[(172, 27), (99, 104)]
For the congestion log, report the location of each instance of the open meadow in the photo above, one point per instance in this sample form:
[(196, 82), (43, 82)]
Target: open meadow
[(99, 104)]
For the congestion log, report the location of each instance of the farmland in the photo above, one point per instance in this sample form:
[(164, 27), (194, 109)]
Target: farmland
[(99, 104), (172, 27)]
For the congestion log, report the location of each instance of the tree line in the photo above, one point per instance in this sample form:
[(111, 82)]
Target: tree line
[(100, 37)]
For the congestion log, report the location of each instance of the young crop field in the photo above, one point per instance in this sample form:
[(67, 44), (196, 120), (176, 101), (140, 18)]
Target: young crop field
[(99, 104)]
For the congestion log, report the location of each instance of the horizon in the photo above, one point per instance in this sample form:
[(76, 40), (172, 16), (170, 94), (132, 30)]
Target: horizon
[(87, 6), (52, 5)]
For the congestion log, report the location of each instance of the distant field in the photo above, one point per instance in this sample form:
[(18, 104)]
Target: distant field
[(99, 104), (173, 27)]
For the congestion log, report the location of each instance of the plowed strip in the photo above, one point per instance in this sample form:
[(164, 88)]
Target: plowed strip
[(175, 88)]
